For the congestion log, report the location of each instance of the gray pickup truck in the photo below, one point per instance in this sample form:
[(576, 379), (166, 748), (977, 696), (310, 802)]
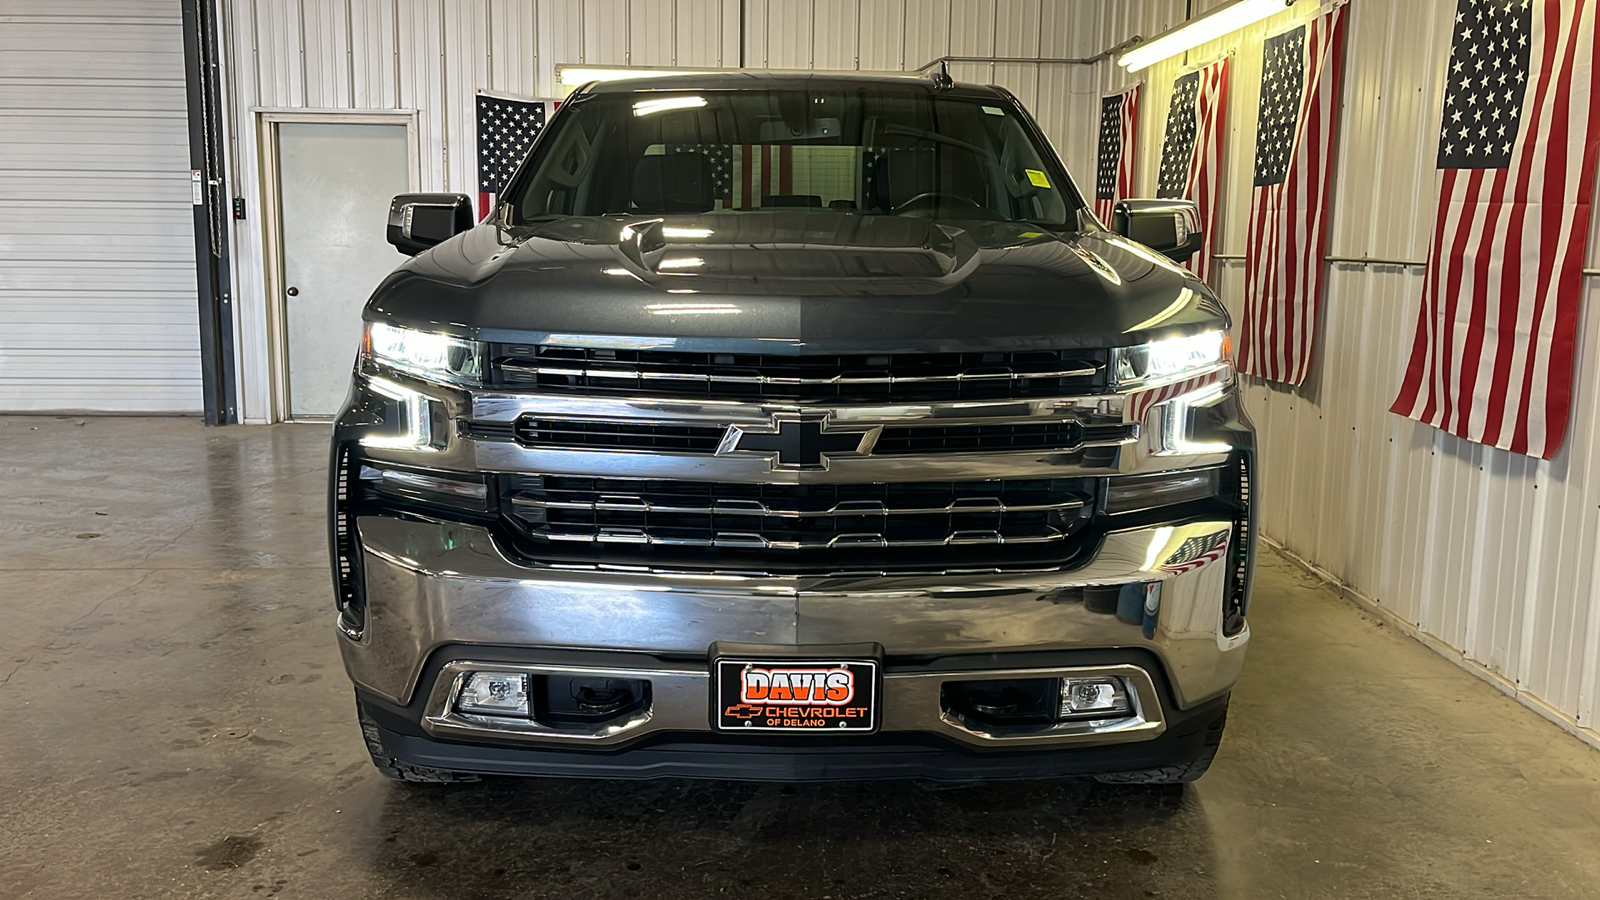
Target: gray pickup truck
[(793, 427)]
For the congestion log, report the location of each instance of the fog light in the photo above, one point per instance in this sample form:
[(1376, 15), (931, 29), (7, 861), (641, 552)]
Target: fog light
[(494, 694), (1094, 698)]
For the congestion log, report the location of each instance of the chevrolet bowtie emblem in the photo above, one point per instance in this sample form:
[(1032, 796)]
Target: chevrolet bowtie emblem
[(799, 443)]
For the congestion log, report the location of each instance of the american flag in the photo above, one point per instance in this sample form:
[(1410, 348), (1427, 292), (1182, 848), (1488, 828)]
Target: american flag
[(1287, 234), (761, 170), (1196, 552), (1191, 153), (1119, 120), (506, 129), (1493, 354), (743, 174)]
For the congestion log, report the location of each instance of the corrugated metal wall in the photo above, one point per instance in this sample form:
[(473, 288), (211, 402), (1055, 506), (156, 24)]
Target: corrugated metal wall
[(97, 283), (1490, 556), (430, 57)]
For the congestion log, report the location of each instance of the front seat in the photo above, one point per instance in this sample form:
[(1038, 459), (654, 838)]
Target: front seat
[(672, 183)]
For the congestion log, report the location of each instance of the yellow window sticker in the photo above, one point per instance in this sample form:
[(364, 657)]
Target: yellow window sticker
[(1037, 177)]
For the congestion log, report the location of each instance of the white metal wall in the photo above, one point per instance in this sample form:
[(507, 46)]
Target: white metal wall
[(430, 57), (97, 285), (1490, 556)]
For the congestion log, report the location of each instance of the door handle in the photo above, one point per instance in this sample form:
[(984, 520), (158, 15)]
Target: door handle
[(293, 291)]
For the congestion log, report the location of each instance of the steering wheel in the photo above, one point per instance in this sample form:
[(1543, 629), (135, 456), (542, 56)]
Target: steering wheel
[(930, 195)]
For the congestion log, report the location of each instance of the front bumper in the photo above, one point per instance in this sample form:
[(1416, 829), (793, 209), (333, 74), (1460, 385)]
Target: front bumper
[(443, 594), (1187, 736)]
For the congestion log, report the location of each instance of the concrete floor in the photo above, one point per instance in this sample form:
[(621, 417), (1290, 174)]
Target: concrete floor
[(176, 724)]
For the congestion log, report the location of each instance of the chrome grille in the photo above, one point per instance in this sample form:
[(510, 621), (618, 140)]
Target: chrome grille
[(884, 377), (799, 527), (896, 440)]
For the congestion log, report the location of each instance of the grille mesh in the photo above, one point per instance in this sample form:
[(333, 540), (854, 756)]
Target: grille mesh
[(889, 377), (579, 434), (800, 526)]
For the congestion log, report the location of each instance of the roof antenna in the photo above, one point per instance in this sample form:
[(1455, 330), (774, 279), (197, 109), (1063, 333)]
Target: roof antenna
[(941, 76)]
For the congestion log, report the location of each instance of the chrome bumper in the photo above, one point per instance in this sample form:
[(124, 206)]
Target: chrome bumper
[(911, 701), (430, 584)]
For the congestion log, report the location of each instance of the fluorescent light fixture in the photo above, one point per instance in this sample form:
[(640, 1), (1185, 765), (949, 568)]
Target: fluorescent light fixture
[(1223, 20), (663, 104), (675, 231), (693, 309), (681, 262), (578, 76)]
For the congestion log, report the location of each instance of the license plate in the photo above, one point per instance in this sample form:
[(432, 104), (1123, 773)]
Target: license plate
[(796, 696)]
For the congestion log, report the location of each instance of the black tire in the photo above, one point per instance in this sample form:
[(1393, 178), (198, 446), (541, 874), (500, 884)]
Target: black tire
[(1182, 773), (398, 770)]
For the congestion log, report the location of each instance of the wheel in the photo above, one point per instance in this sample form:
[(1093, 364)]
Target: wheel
[(1182, 773), (398, 770)]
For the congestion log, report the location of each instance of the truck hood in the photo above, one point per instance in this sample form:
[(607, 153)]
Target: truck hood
[(796, 282)]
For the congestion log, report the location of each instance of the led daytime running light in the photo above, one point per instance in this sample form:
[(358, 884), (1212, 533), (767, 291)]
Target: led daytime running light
[(417, 413)]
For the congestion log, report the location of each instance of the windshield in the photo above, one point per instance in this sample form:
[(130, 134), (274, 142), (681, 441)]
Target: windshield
[(857, 152)]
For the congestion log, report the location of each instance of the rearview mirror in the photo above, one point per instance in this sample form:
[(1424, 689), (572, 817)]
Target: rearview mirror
[(1169, 227), (419, 221)]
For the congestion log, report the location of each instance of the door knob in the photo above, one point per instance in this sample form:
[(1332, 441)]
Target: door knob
[(293, 291)]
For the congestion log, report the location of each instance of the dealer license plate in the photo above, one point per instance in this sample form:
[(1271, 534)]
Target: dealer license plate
[(796, 696)]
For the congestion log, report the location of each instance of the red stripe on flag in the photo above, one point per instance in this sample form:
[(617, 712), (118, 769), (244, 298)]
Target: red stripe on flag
[(746, 177), (1552, 203), (1205, 158), (1130, 122), (766, 175)]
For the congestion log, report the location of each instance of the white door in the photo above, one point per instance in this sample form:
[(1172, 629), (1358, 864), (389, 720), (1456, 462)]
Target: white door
[(335, 183)]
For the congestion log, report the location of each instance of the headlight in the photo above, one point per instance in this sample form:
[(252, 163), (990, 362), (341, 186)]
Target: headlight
[(434, 356), (1171, 357)]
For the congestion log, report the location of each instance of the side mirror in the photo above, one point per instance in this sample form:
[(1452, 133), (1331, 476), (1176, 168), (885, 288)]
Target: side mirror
[(419, 221), (1169, 227)]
